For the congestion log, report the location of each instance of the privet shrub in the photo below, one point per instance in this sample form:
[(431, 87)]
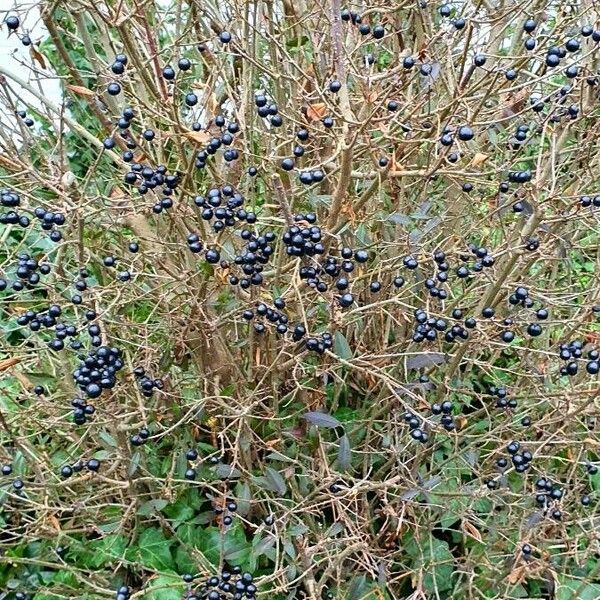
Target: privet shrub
[(300, 300)]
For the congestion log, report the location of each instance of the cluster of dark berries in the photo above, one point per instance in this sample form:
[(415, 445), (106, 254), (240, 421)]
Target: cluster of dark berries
[(573, 351), (26, 120), (148, 179), (502, 400), (304, 238), (49, 220), (415, 424), (433, 286), (146, 384), (81, 285), (48, 318), (316, 344), (459, 332), (28, 273), (521, 460), (82, 410), (427, 328), (118, 66), (123, 124), (519, 176), (226, 512), (229, 584), (251, 260), (377, 31), (587, 201), (123, 593), (464, 133), (263, 313), (521, 296), (223, 140), (306, 177), (483, 259), (268, 110), (97, 370), (140, 438), (444, 409), (10, 199), (91, 465), (548, 494), (223, 206), (333, 267)]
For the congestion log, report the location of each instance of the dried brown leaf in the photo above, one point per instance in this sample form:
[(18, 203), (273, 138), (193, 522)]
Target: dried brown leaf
[(80, 90), (200, 137), (479, 159), (37, 56), (315, 112)]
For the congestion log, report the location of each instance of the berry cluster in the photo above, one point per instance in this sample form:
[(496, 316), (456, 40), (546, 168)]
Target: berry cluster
[(49, 221), (301, 239), (444, 409), (223, 206), (28, 121), (91, 465), (521, 460), (574, 350), (140, 438), (48, 318), (146, 384), (415, 423), (223, 139), (317, 344), (251, 260), (226, 512), (263, 313), (268, 110), (123, 593), (548, 495), (10, 199), (502, 400), (82, 411), (28, 273), (97, 371), (229, 584), (427, 328)]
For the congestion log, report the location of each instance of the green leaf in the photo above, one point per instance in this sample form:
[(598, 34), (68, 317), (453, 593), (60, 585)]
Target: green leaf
[(151, 506), (576, 589), (104, 550), (276, 481), (438, 566), (341, 346), (184, 560), (184, 508), (153, 550), (165, 587), (344, 453)]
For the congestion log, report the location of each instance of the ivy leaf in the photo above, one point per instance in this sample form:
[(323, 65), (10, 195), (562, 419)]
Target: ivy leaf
[(154, 550), (438, 566), (151, 506), (109, 548), (165, 587), (576, 589)]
